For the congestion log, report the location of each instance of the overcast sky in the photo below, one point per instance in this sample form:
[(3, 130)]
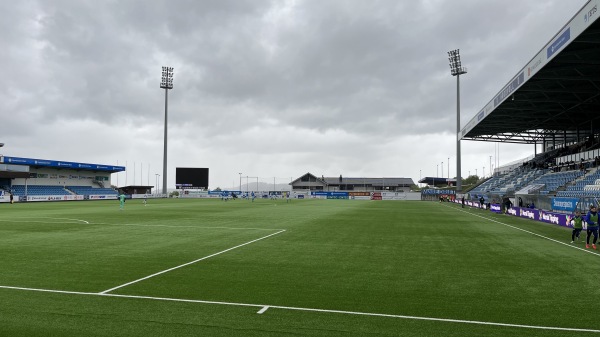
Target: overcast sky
[(272, 89)]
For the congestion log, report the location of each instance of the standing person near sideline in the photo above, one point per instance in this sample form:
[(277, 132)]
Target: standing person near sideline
[(591, 219), (462, 201), (12, 197), (121, 201), (577, 222), (507, 204)]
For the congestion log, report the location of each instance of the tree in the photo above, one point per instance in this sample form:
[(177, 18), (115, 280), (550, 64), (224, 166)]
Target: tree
[(471, 180)]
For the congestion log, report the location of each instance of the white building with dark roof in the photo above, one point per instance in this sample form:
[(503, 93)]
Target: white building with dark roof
[(314, 183)]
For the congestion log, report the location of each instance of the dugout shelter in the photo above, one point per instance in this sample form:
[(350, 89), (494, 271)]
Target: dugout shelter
[(136, 189)]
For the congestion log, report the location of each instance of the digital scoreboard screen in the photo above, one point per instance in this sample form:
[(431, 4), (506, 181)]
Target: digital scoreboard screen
[(191, 177)]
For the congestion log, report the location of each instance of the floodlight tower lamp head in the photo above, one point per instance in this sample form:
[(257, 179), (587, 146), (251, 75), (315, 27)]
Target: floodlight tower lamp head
[(167, 78), (456, 67)]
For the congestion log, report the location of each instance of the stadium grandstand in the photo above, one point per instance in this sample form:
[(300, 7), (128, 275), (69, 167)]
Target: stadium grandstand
[(553, 101), (31, 179)]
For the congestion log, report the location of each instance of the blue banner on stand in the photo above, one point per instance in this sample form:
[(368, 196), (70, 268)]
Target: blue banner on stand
[(564, 204), (330, 195)]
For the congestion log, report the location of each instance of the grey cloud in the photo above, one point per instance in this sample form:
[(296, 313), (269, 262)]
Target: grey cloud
[(371, 70)]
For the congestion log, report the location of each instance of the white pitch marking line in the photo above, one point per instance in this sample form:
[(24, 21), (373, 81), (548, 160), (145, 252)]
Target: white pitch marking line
[(357, 313), (78, 220), (189, 263), (526, 231), (40, 221), (186, 226), (262, 311)]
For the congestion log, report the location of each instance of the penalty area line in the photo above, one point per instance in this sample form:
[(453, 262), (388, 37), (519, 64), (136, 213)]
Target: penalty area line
[(189, 263), (330, 311), (189, 226), (21, 220)]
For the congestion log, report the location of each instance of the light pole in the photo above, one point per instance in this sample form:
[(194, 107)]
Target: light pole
[(167, 84), (448, 171), (491, 172), (442, 170), (240, 182), (456, 69), (157, 176)]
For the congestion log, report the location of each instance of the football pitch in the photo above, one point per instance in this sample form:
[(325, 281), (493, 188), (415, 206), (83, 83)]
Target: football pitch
[(194, 267)]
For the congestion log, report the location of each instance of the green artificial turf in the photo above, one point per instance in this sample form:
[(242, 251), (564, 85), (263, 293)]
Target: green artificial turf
[(348, 258)]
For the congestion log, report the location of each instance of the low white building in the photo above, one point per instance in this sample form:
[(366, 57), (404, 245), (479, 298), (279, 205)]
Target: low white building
[(314, 183)]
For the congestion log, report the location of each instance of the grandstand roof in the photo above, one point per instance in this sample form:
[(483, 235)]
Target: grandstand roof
[(60, 164), (555, 96)]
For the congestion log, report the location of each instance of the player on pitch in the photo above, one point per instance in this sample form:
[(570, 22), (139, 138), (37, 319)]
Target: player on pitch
[(577, 222), (121, 201), (592, 226)]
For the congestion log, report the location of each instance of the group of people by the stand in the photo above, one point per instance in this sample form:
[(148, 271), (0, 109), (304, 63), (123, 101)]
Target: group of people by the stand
[(590, 220), (447, 197)]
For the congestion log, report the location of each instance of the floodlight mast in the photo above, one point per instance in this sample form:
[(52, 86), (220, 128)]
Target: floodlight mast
[(456, 69), (167, 84)]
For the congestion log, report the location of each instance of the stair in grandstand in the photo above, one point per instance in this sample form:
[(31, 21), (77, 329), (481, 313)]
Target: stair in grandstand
[(531, 189)]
